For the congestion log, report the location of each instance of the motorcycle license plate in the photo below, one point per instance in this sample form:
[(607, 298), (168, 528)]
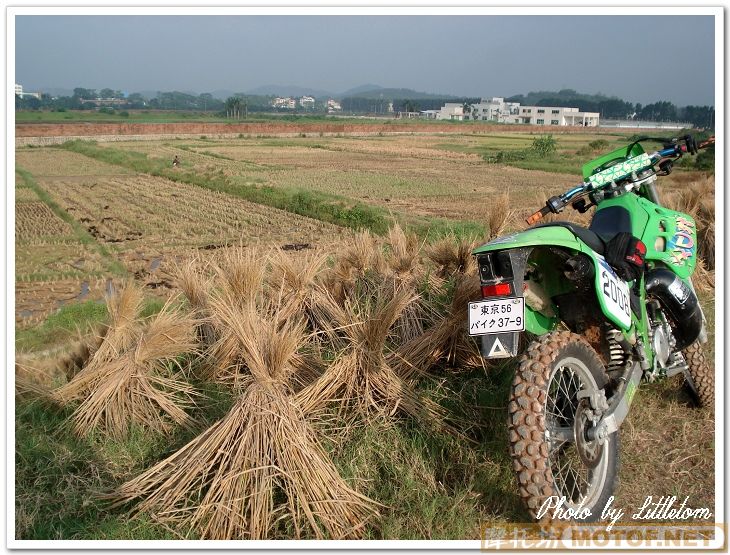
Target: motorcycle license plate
[(497, 316)]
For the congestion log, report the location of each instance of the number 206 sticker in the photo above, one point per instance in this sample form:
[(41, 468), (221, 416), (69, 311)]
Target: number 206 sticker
[(615, 294)]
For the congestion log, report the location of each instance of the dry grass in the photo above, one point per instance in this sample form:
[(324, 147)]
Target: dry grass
[(261, 469), (192, 280), (500, 213), (447, 341), (144, 385), (452, 255), (360, 382), (124, 308)]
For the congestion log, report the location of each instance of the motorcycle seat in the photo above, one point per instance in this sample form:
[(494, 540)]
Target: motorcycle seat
[(590, 238)]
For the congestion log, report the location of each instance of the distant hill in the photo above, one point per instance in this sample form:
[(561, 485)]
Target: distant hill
[(357, 90), (392, 94), (222, 94), (289, 90)]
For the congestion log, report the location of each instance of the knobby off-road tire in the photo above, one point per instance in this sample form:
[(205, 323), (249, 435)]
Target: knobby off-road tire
[(700, 377), (535, 458)]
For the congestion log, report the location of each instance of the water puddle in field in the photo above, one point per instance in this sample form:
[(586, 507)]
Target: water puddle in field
[(84, 291), (109, 287), (296, 247)]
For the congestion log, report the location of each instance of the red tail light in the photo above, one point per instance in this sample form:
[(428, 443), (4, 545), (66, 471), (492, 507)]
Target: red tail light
[(498, 290)]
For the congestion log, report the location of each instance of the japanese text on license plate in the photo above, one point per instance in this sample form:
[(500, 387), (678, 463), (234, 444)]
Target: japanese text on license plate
[(497, 316)]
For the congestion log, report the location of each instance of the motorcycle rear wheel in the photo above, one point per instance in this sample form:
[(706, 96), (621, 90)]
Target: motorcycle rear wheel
[(700, 376), (550, 456)]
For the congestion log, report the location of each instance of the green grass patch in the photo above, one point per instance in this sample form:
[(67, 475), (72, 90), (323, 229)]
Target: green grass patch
[(67, 322), (58, 479)]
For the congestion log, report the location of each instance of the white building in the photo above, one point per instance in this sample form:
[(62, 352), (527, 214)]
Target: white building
[(495, 109), (452, 111), (19, 92), (284, 102), (333, 105), (557, 115), (306, 101)]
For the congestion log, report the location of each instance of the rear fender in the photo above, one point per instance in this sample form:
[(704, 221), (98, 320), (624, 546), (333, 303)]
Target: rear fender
[(541, 318)]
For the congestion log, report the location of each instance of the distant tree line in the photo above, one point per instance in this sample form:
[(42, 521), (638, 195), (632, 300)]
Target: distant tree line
[(92, 99), (616, 108), (367, 103)]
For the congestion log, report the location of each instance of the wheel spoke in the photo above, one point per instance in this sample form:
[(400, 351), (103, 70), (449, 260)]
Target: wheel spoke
[(570, 476)]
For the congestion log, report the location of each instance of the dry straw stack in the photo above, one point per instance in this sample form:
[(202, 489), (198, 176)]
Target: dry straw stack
[(124, 308), (145, 385), (134, 377), (238, 281), (261, 469)]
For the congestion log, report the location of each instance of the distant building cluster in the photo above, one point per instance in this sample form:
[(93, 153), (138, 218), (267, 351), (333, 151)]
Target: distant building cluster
[(19, 92), (284, 102), (499, 111), (307, 102)]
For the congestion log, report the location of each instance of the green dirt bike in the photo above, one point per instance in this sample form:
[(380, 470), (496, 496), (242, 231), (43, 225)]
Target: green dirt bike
[(606, 306)]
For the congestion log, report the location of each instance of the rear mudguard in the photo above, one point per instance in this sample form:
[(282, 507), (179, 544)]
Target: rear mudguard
[(611, 292)]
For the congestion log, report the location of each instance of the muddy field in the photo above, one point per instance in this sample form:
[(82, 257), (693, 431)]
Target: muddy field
[(128, 225)]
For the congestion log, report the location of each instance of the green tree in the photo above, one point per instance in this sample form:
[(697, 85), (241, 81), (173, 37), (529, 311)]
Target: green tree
[(85, 94)]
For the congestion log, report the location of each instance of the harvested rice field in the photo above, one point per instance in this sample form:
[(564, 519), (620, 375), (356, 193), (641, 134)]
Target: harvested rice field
[(269, 341)]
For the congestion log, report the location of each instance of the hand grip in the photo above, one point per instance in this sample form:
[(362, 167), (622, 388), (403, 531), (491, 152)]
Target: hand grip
[(538, 215), (708, 142)]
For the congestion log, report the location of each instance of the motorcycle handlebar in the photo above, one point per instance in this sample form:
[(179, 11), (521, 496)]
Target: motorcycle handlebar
[(555, 204)]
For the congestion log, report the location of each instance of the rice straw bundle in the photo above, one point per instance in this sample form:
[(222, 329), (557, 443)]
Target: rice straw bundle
[(362, 258), (143, 386), (124, 307), (499, 215), (405, 251), (228, 482), (195, 285), (293, 281), (32, 379), (240, 273), (239, 277), (446, 341), (452, 255), (81, 352), (360, 382)]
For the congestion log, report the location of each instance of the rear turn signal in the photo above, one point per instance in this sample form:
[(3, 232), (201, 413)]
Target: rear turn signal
[(498, 290)]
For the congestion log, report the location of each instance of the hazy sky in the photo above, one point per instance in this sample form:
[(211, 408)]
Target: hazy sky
[(638, 58)]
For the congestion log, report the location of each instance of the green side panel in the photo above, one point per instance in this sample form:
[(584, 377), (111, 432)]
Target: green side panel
[(670, 238), (637, 211), (538, 323), (558, 236), (619, 155)]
